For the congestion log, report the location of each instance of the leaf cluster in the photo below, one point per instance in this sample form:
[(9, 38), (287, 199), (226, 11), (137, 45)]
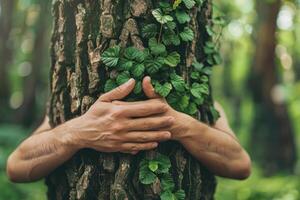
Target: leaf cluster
[(161, 59)]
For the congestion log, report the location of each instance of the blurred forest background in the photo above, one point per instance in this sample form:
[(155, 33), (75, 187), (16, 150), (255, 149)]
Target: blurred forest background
[(258, 84)]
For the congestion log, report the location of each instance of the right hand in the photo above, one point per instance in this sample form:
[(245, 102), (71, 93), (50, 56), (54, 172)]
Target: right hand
[(109, 127)]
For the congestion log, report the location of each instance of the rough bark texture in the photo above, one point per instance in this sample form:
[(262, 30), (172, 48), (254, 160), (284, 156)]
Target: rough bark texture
[(272, 132), (83, 29), (6, 18)]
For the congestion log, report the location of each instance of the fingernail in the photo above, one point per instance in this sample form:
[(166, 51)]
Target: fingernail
[(155, 145), (130, 81), (168, 135)]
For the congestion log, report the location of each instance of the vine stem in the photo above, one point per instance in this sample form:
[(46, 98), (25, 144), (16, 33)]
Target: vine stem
[(160, 33)]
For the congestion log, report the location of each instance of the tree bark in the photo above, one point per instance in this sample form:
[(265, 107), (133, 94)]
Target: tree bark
[(272, 138), (83, 29), (6, 18)]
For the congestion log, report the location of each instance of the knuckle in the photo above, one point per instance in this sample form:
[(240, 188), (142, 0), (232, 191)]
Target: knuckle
[(117, 127), (134, 147), (144, 138), (116, 112)]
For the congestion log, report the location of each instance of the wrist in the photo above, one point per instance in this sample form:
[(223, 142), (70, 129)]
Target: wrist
[(70, 137), (189, 127)]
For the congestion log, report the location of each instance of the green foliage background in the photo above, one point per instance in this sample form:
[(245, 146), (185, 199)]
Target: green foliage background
[(237, 52)]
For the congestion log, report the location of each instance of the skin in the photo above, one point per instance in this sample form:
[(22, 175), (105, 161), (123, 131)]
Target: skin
[(112, 125)]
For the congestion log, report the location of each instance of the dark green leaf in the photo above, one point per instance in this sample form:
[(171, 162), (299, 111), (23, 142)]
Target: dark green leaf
[(167, 182), (163, 90), (138, 70), (173, 59), (182, 16), (149, 31), (111, 56), (155, 47), (123, 77), (187, 34), (110, 85)]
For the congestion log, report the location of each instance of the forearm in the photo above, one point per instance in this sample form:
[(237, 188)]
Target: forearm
[(217, 150), (40, 154)]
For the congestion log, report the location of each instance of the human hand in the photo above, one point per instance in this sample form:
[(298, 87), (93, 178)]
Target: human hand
[(112, 127), (182, 121)]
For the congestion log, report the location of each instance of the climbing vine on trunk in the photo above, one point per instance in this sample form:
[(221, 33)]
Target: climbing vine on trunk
[(166, 34), (100, 44)]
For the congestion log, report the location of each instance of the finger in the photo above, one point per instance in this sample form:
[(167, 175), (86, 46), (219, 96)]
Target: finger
[(143, 109), (148, 88), (118, 93), (151, 101), (147, 136), (132, 147), (149, 123)]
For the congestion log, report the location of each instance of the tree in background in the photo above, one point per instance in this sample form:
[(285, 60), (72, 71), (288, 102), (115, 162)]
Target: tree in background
[(272, 136), (6, 20), (83, 30), (26, 114)]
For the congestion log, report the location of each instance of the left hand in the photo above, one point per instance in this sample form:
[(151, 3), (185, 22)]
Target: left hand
[(181, 120)]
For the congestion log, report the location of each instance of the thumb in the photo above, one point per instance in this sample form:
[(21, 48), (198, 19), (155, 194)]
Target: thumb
[(119, 93), (148, 88)]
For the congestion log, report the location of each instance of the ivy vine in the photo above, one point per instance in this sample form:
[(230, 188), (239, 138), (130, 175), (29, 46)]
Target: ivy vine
[(161, 60)]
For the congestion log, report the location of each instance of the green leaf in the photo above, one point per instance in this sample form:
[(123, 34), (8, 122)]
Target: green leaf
[(209, 30), (132, 53), (189, 3), (138, 70), (123, 77), (177, 82), (110, 85), (164, 163), (153, 165), (173, 59), (192, 109), (125, 64), (180, 195), (111, 56), (146, 176), (137, 88), (167, 195), (182, 17), (169, 37), (198, 66), (163, 90), (155, 47), (149, 31), (204, 79), (198, 90), (171, 25), (217, 58), (153, 65), (160, 17), (183, 103), (199, 2), (167, 182), (187, 34), (207, 71), (195, 75)]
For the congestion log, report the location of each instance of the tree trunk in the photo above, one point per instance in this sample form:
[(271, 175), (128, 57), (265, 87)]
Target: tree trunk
[(272, 133), (26, 114), (6, 17), (83, 29)]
